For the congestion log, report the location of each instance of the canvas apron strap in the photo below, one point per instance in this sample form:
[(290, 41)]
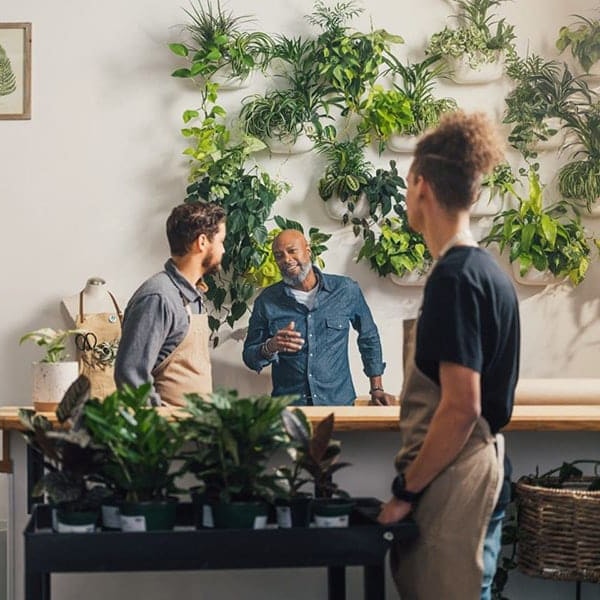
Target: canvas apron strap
[(97, 363), (187, 369), (446, 560)]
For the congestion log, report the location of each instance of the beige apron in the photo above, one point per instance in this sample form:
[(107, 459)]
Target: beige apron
[(446, 560), (97, 360), (187, 369)]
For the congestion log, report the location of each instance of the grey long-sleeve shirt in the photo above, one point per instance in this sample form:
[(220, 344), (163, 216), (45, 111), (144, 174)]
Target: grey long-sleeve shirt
[(154, 324)]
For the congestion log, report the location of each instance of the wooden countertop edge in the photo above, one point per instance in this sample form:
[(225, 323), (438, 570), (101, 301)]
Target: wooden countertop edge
[(568, 417)]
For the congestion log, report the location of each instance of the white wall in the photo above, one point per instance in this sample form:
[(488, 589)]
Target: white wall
[(87, 183)]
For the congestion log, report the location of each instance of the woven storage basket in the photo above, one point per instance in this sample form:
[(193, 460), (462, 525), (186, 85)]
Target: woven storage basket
[(559, 531)]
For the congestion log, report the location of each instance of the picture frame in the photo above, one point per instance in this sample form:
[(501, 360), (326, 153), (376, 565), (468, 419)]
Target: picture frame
[(15, 70)]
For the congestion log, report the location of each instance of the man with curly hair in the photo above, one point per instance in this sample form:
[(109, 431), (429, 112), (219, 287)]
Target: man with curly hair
[(461, 372), (165, 330)]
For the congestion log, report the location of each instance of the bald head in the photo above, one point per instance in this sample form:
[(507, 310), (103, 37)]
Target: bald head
[(293, 257)]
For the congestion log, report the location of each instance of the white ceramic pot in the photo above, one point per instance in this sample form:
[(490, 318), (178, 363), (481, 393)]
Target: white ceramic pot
[(287, 145), (413, 278), (227, 81), (51, 381), (595, 210), (464, 74), (336, 209), (533, 276), (404, 144), (554, 142), (488, 204)]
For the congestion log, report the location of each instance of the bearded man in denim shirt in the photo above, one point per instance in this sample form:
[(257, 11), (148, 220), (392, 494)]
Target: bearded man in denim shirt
[(300, 327)]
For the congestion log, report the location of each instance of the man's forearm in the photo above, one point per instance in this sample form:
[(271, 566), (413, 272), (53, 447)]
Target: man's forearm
[(448, 433)]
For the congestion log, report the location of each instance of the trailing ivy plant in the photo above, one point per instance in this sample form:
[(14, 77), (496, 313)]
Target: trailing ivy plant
[(542, 238), (217, 40), (348, 60), (480, 36), (397, 249), (267, 272)]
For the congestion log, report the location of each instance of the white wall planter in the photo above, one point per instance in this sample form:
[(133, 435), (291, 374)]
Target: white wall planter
[(411, 279), (533, 276), (464, 74), (404, 144), (227, 81), (336, 209), (287, 145), (51, 381), (488, 204), (554, 142)]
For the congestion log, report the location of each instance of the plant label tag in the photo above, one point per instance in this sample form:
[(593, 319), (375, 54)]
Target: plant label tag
[(135, 523), (111, 516), (207, 516), (340, 521), (260, 522), (64, 528), (284, 516)]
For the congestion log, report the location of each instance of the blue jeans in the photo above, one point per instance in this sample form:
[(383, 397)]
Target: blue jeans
[(491, 550)]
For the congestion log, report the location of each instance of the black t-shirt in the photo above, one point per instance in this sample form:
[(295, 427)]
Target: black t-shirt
[(470, 316)]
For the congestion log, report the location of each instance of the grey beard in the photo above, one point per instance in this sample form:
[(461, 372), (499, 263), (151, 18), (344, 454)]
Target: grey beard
[(298, 279)]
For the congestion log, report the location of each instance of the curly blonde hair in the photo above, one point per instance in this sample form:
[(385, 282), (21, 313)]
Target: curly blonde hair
[(455, 155)]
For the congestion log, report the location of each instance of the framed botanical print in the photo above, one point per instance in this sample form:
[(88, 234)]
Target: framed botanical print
[(15, 70)]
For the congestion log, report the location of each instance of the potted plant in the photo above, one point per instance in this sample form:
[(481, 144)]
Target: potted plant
[(349, 61), (384, 113), (72, 463), (496, 188), (53, 374), (266, 272), (397, 252), (475, 50), (416, 81), (232, 441), (218, 48), (141, 445), (316, 453), (541, 240), (346, 174), (579, 179), (545, 95), (583, 38)]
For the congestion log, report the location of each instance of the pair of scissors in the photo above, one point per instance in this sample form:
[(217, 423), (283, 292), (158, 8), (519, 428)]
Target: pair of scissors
[(86, 341)]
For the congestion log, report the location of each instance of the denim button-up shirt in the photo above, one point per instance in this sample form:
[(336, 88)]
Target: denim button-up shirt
[(319, 373)]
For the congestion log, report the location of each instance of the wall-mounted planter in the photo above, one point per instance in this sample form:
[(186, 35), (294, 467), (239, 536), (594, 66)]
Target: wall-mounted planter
[(404, 144), (555, 141), (227, 81), (533, 276), (489, 204), (287, 145), (463, 74), (336, 208), (411, 279)]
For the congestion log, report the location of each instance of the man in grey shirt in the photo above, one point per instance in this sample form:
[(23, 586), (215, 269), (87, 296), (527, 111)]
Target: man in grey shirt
[(165, 333)]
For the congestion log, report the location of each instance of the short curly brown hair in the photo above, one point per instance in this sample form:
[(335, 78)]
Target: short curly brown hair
[(455, 155), (187, 221)]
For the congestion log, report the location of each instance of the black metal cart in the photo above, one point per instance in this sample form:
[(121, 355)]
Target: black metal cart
[(364, 543)]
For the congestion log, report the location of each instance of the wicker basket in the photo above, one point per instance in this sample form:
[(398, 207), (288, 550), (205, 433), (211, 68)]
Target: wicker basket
[(559, 531)]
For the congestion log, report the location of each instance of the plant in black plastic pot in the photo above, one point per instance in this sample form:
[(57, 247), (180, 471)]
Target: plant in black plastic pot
[(232, 440), (72, 463), (141, 445), (317, 454)]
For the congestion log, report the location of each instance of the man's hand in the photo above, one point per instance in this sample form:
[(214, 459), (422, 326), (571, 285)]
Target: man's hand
[(393, 510), (286, 340), (381, 398)]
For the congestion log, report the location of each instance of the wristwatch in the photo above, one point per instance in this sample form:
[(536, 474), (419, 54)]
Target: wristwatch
[(399, 490)]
